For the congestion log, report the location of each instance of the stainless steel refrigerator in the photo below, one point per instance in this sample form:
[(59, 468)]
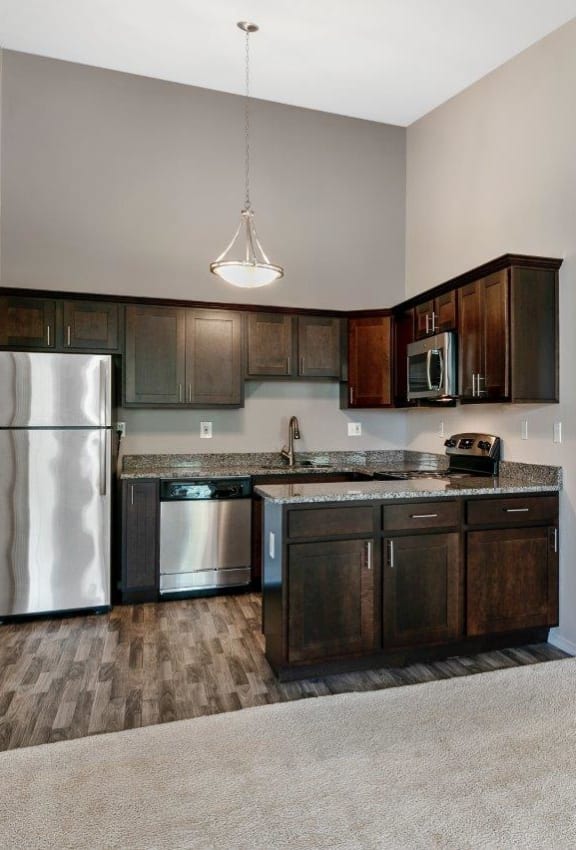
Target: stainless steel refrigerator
[(55, 479)]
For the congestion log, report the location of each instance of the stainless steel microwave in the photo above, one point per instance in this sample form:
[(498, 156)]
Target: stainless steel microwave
[(432, 367)]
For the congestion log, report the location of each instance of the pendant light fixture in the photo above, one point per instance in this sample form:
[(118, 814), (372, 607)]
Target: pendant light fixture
[(243, 262)]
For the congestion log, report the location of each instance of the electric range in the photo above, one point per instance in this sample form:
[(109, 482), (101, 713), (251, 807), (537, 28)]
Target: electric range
[(470, 455)]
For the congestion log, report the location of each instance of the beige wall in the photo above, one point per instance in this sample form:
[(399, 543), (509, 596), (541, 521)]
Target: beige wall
[(115, 183), (120, 184), (494, 171)]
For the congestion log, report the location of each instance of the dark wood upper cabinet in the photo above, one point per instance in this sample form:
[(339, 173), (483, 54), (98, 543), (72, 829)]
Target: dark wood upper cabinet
[(90, 326), (331, 600), (484, 339), (28, 323), (140, 541), (214, 358), (318, 346), (370, 362), (422, 591), (403, 335), (534, 356), (155, 361), (436, 315), (270, 345), (512, 579)]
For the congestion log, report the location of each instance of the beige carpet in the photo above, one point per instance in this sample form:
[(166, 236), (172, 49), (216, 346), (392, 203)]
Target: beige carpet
[(486, 761)]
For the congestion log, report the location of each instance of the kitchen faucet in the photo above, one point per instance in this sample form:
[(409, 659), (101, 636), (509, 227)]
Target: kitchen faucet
[(287, 453)]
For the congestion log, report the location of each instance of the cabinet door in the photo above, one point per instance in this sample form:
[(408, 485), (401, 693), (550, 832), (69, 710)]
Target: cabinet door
[(512, 579), (27, 322), (422, 589), (331, 600), (445, 312), (140, 517), (470, 329), (91, 325), (423, 319), (318, 346), (154, 365), (494, 380), (270, 345), (403, 336), (213, 357), (369, 362)]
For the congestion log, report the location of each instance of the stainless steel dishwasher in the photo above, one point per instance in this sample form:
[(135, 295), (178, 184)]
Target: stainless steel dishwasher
[(205, 534)]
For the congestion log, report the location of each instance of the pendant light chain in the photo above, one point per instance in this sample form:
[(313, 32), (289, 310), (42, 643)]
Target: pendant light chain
[(247, 124)]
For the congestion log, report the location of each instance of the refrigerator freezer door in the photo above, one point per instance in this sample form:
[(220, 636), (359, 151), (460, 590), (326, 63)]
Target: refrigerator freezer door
[(54, 520), (54, 390)]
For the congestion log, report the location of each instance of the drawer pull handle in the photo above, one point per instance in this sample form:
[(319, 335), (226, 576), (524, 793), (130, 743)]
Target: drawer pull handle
[(391, 554), (423, 516), (516, 510)]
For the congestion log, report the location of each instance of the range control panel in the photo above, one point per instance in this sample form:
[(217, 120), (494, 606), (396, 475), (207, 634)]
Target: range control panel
[(478, 445)]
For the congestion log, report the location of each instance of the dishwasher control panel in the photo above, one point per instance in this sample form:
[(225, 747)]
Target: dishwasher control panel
[(205, 488)]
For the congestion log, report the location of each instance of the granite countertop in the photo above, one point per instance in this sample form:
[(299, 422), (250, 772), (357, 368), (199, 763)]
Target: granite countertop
[(513, 478), (428, 488)]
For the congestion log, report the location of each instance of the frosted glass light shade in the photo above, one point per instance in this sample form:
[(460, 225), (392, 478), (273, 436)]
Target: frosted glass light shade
[(254, 269), (247, 275)]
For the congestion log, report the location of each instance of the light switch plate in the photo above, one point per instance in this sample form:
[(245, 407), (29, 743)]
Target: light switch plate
[(557, 432), (354, 429), (206, 429)]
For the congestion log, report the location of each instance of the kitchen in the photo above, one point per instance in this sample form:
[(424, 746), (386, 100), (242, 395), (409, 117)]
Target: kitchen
[(146, 244)]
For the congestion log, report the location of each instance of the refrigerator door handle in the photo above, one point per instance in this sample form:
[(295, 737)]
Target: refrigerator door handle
[(103, 394), (103, 462)]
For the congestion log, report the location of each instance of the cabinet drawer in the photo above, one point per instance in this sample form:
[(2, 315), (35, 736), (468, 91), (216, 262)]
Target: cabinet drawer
[(420, 515), (509, 511), (326, 522)]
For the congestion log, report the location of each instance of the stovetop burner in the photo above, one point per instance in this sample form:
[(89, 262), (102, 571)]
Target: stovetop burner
[(470, 455)]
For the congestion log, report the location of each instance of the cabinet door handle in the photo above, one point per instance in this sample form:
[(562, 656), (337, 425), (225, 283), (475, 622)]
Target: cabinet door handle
[(351, 394), (555, 539), (391, 554), (516, 510), (479, 378), (131, 494), (427, 323), (48, 335), (68, 336), (179, 392), (423, 516), (190, 393), (302, 365), (473, 385), (368, 554), (434, 328)]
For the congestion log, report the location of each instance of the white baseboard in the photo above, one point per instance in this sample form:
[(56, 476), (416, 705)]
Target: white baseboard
[(560, 642)]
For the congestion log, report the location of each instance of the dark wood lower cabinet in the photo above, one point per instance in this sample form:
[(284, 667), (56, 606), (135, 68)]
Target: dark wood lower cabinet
[(422, 596), (140, 541), (331, 600), (356, 584), (512, 579)]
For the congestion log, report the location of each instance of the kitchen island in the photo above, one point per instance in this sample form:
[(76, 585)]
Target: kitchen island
[(379, 572)]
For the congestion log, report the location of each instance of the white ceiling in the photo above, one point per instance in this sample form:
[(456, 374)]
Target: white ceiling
[(384, 60)]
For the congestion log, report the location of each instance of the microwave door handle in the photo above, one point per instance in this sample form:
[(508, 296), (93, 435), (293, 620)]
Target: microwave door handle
[(442, 365), (429, 369)]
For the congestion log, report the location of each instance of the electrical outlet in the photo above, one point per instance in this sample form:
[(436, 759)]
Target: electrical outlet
[(354, 429), (557, 432), (120, 428), (206, 429), (524, 430)]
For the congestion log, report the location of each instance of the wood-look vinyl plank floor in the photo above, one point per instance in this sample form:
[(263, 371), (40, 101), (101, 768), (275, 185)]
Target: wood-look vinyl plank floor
[(145, 664)]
